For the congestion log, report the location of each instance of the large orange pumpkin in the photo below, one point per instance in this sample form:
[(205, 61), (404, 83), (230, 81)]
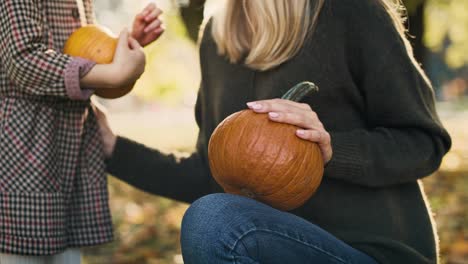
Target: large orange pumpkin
[(97, 44), (253, 156)]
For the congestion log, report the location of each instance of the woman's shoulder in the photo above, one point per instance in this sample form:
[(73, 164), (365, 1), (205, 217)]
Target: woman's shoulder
[(205, 29), (206, 41), (359, 12), (354, 7), (366, 22)]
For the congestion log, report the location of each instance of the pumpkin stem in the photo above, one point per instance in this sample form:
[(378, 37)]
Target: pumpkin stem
[(299, 91)]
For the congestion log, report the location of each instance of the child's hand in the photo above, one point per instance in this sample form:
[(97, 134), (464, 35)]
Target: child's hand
[(147, 27), (129, 60), (127, 66)]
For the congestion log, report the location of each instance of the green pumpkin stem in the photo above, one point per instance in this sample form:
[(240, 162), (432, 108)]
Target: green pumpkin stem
[(299, 91)]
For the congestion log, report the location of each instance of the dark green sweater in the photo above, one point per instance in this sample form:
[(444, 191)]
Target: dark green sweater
[(374, 102)]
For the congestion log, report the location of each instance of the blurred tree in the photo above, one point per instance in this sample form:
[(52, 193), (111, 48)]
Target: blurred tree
[(447, 34), (192, 15), (415, 25)]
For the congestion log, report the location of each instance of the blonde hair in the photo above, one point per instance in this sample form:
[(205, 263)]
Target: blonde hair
[(266, 33), (397, 12), (263, 33)]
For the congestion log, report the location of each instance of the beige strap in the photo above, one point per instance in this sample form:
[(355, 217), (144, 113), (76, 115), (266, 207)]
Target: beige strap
[(81, 10)]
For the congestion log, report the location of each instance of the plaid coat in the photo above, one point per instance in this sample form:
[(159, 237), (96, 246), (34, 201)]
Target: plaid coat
[(53, 186)]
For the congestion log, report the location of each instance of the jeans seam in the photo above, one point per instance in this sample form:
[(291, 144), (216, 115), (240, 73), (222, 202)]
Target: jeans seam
[(284, 235)]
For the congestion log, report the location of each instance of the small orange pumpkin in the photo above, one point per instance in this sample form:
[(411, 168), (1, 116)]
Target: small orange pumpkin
[(253, 156), (97, 44)]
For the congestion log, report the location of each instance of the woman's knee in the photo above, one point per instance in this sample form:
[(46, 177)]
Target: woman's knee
[(202, 226), (208, 213)]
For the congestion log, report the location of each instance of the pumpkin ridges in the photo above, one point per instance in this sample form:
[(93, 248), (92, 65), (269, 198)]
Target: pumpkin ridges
[(266, 149), (286, 204), (239, 139), (278, 184), (259, 120), (273, 152), (268, 175), (266, 158), (304, 162), (217, 133), (252, 182), (274, 163), (286, 188), (248, 185), (244, 164), (224, 133), (305, 194), (298, 197), (233, 145)]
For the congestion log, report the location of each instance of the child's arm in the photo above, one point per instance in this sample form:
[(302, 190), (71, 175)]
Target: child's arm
[(37, 69), (128, 64)]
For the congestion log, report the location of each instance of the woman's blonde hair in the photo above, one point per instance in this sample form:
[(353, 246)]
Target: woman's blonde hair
[(266, 33)]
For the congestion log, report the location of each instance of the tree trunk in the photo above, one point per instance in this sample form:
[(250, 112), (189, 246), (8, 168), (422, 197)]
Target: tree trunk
[(192, 15), (416, 31)]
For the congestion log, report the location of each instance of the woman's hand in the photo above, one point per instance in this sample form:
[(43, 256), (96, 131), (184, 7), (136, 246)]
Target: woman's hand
[(298, 114), (107, 135), (147, 26)]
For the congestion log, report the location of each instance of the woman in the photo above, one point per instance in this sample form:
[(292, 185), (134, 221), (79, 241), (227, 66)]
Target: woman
[(374, 120)]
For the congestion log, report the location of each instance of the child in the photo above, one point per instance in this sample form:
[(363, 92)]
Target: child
[(53, 193)]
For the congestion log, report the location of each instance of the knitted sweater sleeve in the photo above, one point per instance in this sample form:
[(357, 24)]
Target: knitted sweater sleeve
[(404, 140), (150, 170)]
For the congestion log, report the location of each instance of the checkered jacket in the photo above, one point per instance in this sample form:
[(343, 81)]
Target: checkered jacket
[(53, 186)]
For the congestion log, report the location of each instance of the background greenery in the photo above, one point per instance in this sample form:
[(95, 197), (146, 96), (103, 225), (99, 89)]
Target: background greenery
[(159, 113)]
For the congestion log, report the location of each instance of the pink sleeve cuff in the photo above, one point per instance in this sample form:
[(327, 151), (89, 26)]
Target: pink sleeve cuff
[(75, 70)]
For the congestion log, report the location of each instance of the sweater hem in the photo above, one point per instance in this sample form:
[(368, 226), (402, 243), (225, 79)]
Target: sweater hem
[(42, 246)]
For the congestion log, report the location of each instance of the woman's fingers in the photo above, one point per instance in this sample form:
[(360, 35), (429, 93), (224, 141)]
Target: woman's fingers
[(301, 118), (318, 136), (275, 105), (322, 138), (298, 114), (285, 111)]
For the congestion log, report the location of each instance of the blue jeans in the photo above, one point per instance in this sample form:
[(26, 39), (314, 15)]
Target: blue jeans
[(225, 228)]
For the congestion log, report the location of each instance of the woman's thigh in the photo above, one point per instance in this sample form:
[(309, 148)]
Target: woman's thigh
[(224, 228)]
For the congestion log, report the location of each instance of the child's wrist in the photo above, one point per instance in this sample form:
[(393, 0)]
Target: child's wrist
[(120, 76), (102, 76)]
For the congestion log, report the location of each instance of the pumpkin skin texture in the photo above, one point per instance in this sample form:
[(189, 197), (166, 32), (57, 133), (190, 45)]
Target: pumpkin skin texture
[(97, 44), (251, 155)]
